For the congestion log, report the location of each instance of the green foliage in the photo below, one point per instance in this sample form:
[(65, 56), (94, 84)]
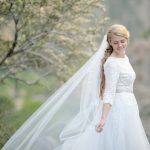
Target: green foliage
[(28, 108), (6, 128), (11, 119), (52, 35), (42, 41)]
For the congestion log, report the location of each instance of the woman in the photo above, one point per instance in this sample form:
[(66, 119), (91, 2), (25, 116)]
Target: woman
[(120, 127), (90, 112)]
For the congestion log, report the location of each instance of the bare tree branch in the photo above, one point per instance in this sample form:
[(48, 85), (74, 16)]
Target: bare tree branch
[(42, 56)]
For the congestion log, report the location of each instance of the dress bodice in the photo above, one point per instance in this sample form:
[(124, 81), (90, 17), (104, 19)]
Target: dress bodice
[(119, 77)]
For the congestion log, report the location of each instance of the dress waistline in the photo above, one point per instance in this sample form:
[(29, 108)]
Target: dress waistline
[(124, 90)]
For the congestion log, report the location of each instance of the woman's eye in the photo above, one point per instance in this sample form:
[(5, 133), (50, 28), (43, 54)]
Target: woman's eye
[(123, 41), (115, 43)]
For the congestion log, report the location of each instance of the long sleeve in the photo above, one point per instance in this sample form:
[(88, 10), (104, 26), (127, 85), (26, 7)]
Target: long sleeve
[(111, 72)]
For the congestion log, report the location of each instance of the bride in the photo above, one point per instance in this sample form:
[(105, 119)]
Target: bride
[(94, 110)]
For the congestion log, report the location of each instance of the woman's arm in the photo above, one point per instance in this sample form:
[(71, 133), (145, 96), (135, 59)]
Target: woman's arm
[(105, 111), (111, 78)]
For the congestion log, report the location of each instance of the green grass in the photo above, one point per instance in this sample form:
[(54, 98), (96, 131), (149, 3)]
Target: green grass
[(11, 119), (28, 108), (19, 100), (31, 98)]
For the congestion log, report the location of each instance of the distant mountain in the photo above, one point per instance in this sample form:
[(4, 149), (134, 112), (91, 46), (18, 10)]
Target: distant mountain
[(132, 13)]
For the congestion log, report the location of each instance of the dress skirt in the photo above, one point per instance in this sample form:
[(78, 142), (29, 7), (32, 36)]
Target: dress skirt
[(123, 129)]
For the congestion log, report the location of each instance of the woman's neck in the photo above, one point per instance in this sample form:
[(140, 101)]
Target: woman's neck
[(120, 55)]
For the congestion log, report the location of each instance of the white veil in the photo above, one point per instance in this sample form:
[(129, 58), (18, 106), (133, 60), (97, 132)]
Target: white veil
[(66, 113)]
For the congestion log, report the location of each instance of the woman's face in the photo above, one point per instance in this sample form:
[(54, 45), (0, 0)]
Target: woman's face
[(118, 43)]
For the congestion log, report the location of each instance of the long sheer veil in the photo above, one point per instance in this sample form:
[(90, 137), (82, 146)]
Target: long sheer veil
[(66, 113)]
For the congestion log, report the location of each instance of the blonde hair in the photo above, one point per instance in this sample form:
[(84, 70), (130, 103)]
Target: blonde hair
[(119, 30)]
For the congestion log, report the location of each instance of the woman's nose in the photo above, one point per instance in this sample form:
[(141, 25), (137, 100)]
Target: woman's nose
[(119, 44)]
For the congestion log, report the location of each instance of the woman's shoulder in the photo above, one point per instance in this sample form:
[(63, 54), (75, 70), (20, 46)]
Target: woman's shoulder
[(111, 66), (111, 62)]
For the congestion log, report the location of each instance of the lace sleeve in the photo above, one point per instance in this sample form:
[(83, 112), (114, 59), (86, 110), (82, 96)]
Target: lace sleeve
[(111, 78)]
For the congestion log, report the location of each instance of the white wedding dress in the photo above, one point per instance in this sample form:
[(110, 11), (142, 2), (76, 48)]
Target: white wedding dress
[(123, 129), (67, 120)]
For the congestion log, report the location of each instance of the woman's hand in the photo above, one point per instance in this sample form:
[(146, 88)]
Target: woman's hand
[(105, 111), (99, 126)]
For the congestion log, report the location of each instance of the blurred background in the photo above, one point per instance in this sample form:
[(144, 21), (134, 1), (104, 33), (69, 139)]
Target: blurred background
[(43, 43)]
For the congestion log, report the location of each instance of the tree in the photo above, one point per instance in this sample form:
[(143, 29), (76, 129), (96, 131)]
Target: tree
[(48, 37)]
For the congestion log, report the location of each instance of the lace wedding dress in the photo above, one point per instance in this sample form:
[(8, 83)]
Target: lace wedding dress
[(123, 129), (67, 120)]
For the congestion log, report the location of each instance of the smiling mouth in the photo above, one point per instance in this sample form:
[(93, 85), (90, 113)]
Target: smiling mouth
[(121, 48)]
